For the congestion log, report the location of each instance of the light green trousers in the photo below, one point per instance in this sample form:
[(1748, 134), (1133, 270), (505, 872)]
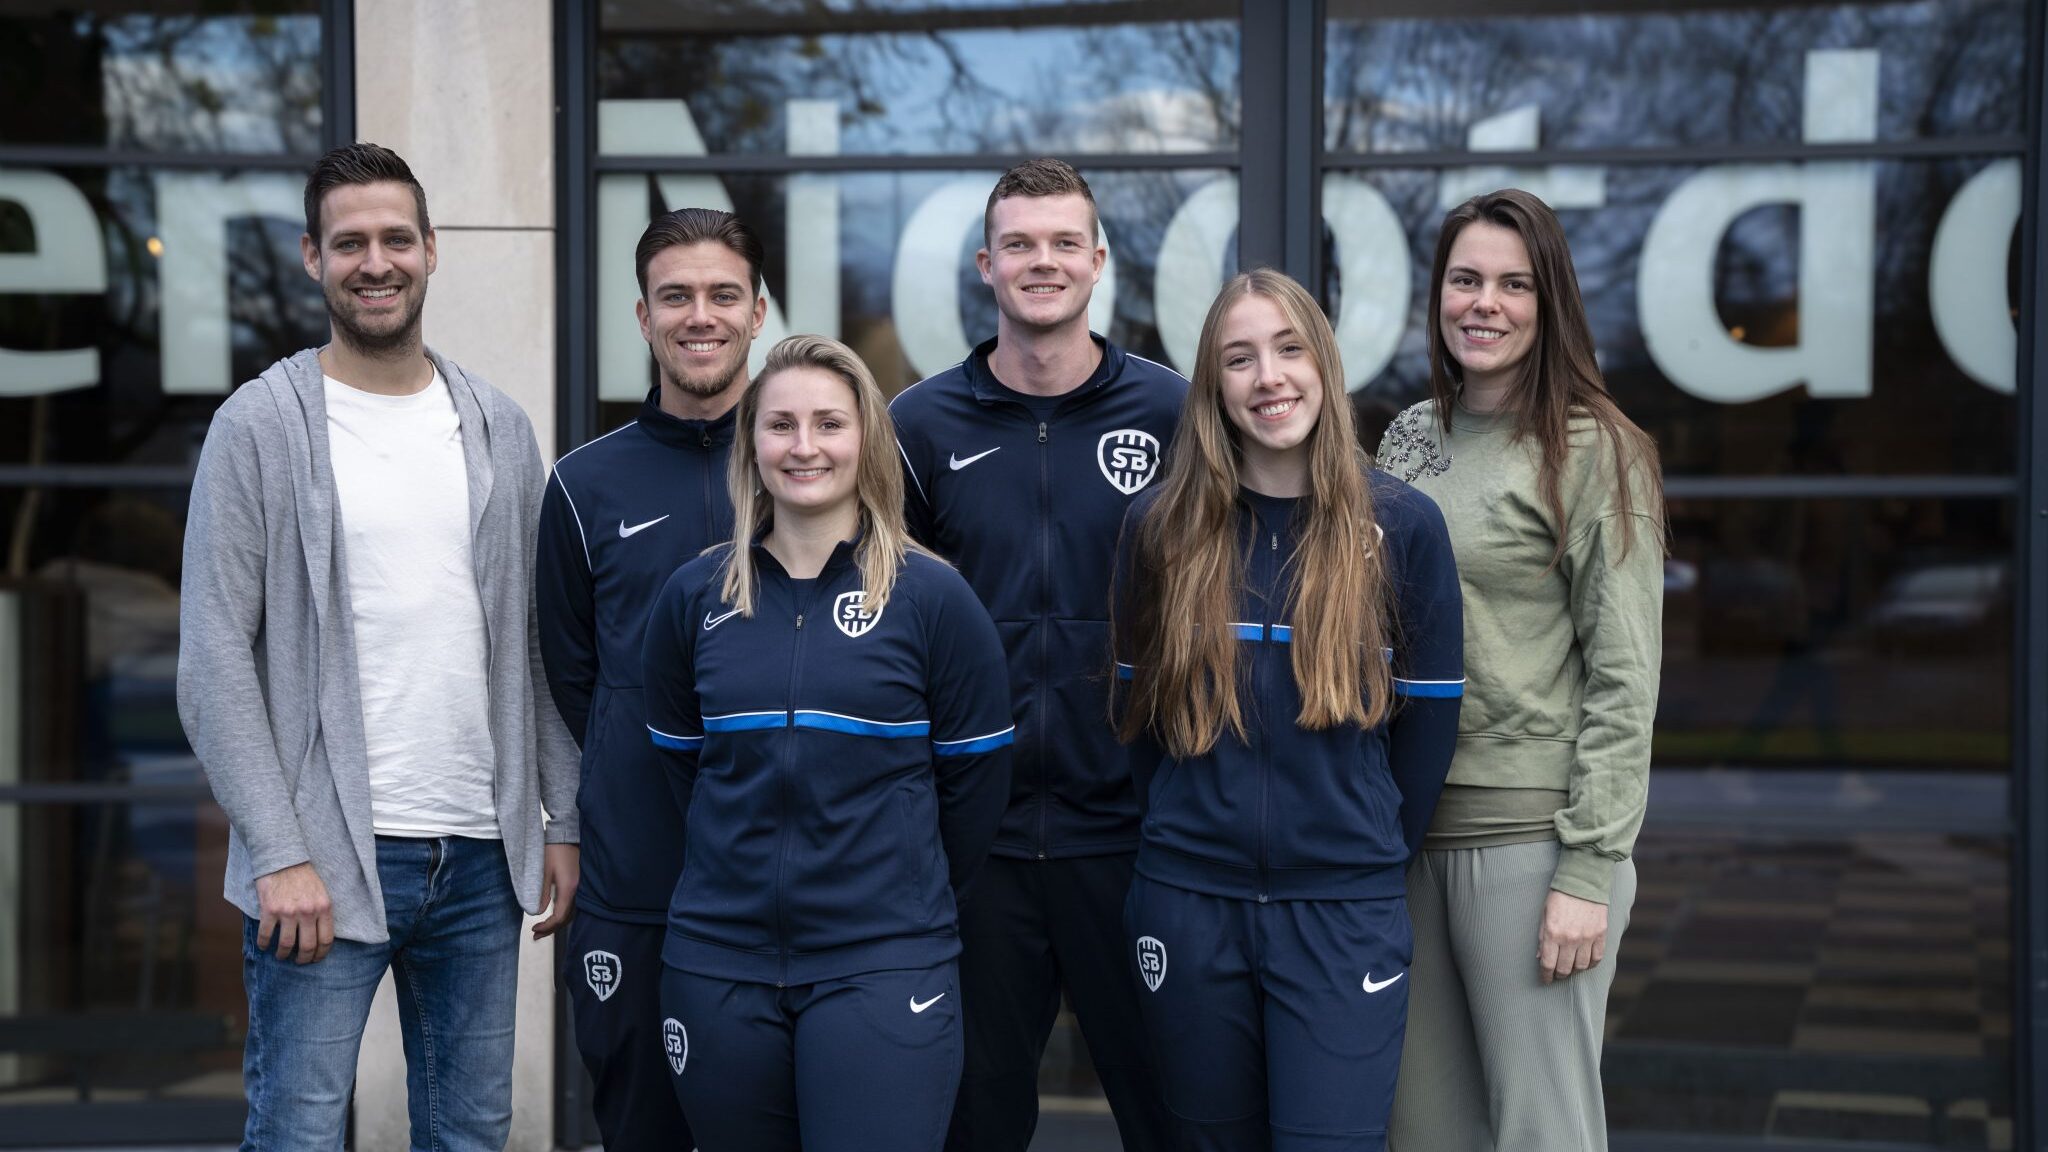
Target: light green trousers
[(1495, 1060)]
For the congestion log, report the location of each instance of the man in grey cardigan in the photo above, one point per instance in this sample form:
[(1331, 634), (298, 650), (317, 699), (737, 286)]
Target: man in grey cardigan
[(359, 672)]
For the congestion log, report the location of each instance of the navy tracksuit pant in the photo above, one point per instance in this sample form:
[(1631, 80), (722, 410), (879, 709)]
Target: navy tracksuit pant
[(853, 1065), (1273, 1026), (613, 971), (1027, 929)]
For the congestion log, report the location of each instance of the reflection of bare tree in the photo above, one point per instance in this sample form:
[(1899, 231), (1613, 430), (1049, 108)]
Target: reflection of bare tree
[(1710, 77), (183, 83), (1644, 79), (150, 83), (970, 86)]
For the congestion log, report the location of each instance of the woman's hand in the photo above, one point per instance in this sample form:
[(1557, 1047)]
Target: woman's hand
[(1573, 937)]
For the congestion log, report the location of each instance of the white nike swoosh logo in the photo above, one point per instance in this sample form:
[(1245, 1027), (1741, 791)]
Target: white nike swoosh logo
[(958, 463), (1372, 987), (711, 621), (625, 531), (914, 1005)]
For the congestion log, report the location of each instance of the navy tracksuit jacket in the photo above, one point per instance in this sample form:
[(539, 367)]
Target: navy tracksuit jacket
[(1268, 924), (1295, 814), (842, 773), (620, 514), (1029, 510)]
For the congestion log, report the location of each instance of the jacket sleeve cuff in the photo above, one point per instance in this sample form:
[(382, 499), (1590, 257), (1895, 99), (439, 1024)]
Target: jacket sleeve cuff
[(1584, 873), (277, 859), (564, 830)]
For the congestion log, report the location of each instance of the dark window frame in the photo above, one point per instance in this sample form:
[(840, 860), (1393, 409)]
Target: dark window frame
[(2030, 626)]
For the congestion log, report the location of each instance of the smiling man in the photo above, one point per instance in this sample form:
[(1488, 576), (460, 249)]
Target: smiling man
[(621, 513), (1021, 460), (357, 675)]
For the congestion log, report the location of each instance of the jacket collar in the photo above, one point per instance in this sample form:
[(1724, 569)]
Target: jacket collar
[(841, 559), (989, 390), (679, 433), (473, 414)]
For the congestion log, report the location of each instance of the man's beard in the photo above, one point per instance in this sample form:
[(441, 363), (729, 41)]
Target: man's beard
[(340, 313), (704, 385)]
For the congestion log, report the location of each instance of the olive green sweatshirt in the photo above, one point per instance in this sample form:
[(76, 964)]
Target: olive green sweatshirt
[(1561, 661)]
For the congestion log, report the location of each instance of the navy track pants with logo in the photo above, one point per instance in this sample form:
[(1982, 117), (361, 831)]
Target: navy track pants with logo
[(1273, 1026), (1027, 929), (867, 1062), (613, 972)]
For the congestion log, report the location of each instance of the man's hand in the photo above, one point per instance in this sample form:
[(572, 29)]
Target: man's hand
[(560, 867), (295, 905), (1573, 937)]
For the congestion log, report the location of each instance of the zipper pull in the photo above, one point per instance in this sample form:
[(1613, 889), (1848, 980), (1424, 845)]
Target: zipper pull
[(799, 621), (1276, 543), (1041, 433)]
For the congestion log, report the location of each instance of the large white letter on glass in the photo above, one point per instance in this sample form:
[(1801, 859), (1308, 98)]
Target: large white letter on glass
[(1966, 278), (193, 210), (1189, 271), (70, 256), (1837, 202), (1372, 263)]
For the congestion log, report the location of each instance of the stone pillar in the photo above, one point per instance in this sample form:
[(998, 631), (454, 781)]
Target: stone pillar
[(463, 89)]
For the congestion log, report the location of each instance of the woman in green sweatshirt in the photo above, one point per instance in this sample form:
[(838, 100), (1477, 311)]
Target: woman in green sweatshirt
[(1556, 514)]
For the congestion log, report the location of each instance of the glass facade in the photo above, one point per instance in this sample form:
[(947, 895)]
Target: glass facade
[(1795, 229), (1795, 226), (150, 176)]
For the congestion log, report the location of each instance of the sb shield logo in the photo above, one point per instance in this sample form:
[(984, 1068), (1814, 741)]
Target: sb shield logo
[(1152, 962), (1128, 457), (676, 1043), (850, 613), (602, 972)]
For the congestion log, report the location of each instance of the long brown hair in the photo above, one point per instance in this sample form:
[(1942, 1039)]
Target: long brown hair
[(877, 483), (1559, 378), (1191, 563)]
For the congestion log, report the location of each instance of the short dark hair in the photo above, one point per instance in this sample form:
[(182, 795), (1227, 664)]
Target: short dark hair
[(362, 163), (698, 226), (1045, 176)]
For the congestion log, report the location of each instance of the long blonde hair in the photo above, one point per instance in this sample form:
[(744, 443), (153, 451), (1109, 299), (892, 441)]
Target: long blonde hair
[(1191, 565), (877, 484)]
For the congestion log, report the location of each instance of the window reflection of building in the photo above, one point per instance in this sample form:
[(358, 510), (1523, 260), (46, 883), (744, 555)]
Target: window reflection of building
[(150, 166), (1819, 196), (1820, 948)]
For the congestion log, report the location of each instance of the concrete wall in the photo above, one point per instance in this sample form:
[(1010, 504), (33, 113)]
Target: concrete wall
[(463, 89)]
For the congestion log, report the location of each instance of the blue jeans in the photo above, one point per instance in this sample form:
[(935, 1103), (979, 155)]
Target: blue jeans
[(454, 953)]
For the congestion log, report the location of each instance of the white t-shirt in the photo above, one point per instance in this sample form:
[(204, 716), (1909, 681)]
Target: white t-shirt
[(421, 651)]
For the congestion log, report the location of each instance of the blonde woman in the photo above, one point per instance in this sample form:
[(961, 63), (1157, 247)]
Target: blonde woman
[(832, 700), (1287, 630)]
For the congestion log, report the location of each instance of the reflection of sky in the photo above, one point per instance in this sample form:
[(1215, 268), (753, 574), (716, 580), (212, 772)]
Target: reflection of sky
[(1156, 87), (1951, 67), (226, 83)]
